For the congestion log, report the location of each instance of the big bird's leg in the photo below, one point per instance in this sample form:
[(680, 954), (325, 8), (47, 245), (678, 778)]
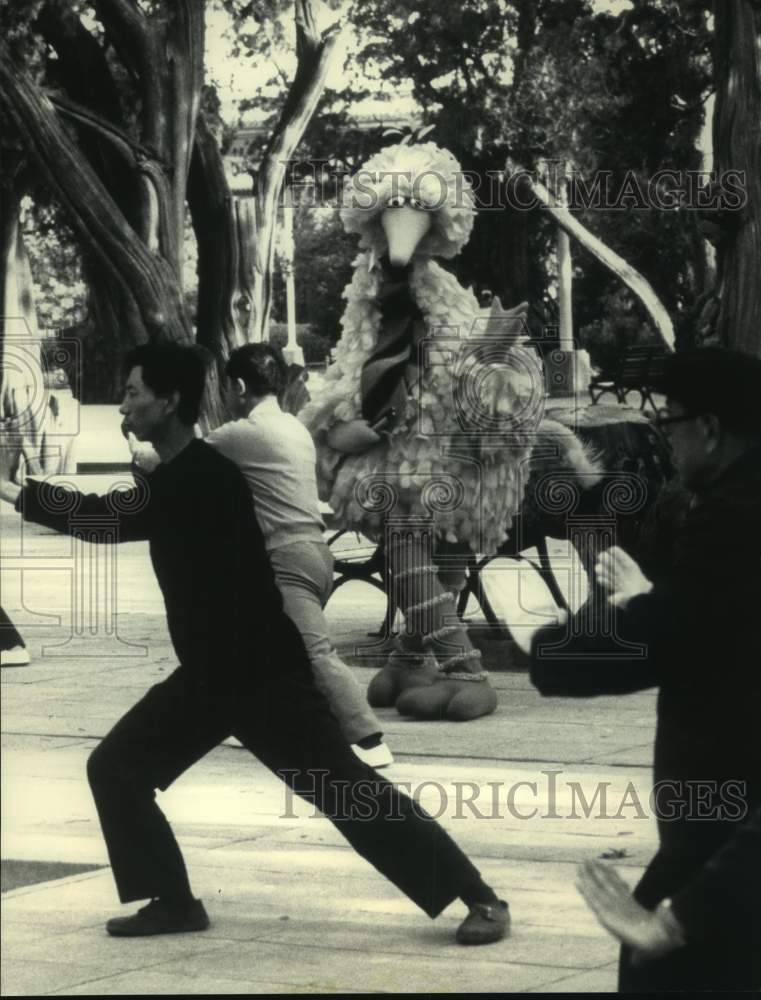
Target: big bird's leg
[(411, 574), (435, 673)]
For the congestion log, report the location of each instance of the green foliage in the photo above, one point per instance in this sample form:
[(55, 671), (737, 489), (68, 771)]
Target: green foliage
[(520, 80), (316, 348), (529, 80), (56, 264), (322, 268), (620, 327)]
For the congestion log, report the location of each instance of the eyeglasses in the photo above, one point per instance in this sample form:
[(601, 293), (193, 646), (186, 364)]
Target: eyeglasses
[(663, 419)]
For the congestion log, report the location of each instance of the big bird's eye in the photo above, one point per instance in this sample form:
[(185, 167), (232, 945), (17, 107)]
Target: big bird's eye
[(417, 203), (396, 202)]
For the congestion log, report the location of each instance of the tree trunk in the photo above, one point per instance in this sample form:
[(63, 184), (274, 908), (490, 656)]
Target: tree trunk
[(220, 319), (737, 146), (92, 211), (113, 326), (315, 56), (236, 236), (126, 199)]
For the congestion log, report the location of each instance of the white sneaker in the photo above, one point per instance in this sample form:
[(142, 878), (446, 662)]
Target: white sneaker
[(375, 757), (16, 657)]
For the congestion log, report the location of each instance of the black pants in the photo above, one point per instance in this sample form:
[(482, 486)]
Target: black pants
[(9, 635), (728, 964), (287, 724)]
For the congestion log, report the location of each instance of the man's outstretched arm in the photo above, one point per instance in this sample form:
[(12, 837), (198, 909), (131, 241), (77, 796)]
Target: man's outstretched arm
[(54, 507)]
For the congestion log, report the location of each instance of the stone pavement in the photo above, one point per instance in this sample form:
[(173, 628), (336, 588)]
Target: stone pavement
[(292, 908)]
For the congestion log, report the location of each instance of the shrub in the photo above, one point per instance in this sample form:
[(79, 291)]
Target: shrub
[(621, 327), (315, 346)]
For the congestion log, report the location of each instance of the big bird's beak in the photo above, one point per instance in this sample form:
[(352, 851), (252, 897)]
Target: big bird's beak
[(404, 228)]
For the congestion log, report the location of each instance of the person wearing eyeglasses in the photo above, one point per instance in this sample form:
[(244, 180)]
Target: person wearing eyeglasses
[(693, 921)]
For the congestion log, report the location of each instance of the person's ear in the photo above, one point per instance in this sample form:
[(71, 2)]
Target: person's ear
[(711, 431), (172, 402)]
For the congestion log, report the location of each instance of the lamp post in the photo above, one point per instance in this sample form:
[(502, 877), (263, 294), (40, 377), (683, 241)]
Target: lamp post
[(292, 352), (568, 369)]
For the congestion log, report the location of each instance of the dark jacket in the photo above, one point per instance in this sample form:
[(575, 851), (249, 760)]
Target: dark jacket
[(224, 611), (700, 635)]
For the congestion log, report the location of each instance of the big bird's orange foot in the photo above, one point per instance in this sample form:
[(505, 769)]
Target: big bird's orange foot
[(390, 682), (423, 693)]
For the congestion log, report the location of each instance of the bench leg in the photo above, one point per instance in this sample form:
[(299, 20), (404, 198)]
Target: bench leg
[(547, 573)]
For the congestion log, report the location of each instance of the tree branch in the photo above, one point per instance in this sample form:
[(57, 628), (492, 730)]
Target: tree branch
[(132, 152), (185, 55), (212, 212), (129, 32), (91, 208), (630, 277), (308, 38), (81, 64), (300, 105), (737, 71), (84, 73)]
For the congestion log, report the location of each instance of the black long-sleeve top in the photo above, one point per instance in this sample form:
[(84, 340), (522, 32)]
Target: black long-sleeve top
[(224, 610), (701, 631)]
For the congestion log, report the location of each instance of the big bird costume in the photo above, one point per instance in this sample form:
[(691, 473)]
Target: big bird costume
[(425, 423)]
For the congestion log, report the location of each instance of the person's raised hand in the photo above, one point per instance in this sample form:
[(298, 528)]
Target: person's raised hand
[(620, 577), (144, 456), (649, 934)]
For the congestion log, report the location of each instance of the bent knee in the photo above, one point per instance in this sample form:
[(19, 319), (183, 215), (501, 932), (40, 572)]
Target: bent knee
[(98, 766), (104, 767)]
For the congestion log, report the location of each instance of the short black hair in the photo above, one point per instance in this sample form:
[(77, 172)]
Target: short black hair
[(716, 380), (261, 366), (173, 368)]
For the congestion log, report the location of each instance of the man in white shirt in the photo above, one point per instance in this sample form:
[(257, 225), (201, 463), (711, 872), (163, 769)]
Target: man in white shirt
[(276, 455)]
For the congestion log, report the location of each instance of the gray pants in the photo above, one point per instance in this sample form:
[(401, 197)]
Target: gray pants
[(304, 573)]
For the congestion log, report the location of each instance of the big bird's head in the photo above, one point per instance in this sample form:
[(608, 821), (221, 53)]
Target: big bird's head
[(410, 200)]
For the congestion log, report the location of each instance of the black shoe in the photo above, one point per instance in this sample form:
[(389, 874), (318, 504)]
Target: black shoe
[(485, 923), (159, 917)]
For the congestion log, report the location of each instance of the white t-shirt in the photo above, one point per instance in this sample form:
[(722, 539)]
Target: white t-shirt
[(276, 454)]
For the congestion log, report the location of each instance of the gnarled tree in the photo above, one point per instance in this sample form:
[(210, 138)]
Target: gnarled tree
[(737, 147), (112, 128)]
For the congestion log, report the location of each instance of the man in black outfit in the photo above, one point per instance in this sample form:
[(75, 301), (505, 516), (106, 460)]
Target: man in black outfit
[(243, 672), (693, 920)]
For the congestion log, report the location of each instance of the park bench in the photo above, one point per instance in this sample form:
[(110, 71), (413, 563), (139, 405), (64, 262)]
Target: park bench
[(358, 560), (637, 370)]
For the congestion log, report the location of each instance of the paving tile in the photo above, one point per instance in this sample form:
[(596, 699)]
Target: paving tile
[(40, 978), (526, 945), (370, 969), (95, 949), (149, 982), (594, 981), (293, 909)]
